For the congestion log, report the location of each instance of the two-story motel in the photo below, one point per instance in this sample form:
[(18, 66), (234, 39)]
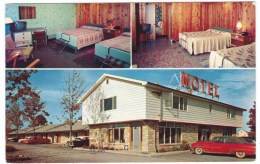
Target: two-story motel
[(145, 116)]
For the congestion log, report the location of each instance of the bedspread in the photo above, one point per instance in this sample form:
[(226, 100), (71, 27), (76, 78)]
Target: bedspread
[(120, 42), (243, 56), (82, 37), (204, 41)]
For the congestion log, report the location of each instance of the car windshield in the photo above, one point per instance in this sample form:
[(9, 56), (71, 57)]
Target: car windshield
[(248, 140)]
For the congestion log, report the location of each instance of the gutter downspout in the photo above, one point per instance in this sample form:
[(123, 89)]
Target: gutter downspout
[(160, 119)]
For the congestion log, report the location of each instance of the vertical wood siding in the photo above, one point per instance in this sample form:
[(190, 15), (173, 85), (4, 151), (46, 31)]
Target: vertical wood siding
[(98, 13), (202, 16), (187, 17)]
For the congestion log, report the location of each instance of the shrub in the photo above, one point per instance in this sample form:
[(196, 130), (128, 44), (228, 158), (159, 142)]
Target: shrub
[(161, 150), (10, 148), (175, 148), (184, 145)]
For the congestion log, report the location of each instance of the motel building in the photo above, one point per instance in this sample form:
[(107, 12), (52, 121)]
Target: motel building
[(143, 116)]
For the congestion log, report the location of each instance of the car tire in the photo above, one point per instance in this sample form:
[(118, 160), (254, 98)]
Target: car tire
[(71, 144), (240, 154), (198, 151), (67, 144)]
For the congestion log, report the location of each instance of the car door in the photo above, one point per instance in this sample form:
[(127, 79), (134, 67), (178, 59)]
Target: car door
[(217, 145)]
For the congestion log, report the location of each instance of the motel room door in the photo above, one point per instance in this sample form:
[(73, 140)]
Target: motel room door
[(150, 19), (136, 138), (204, 133)]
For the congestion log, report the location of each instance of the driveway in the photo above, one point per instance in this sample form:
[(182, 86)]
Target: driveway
[(56, 153)]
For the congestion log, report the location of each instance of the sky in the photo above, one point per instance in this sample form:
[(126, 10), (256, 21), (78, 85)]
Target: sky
[(236, 87)]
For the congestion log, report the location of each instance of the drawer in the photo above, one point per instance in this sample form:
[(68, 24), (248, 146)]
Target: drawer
[(23, 36)]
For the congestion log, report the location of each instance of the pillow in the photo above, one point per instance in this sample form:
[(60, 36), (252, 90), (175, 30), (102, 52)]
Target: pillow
[(96, 25), (91, 28), (128, 34)]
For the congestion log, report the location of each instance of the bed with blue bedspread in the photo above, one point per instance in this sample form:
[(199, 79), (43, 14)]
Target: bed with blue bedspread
[(118, 48)]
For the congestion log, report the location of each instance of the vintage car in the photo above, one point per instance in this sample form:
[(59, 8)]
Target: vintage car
[(36, 140), (13, 139), (78, 142), (225, 145)]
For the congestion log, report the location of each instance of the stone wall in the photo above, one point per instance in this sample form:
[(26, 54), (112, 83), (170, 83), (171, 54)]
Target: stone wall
[(148, 140), (189, 133), (98, 135)]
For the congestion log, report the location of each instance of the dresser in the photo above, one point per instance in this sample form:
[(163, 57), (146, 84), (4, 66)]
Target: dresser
[(110, 33), (23, 38), (240, 40)]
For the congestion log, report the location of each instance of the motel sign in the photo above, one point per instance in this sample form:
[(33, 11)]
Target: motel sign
[(191, 82)]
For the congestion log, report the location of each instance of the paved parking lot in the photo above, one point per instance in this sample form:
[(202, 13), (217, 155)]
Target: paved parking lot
[(56, 153)]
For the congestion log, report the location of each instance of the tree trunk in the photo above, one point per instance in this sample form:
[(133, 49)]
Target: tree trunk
[(17, 132), (71, 123)]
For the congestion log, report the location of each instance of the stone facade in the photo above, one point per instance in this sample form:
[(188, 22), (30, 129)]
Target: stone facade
[(189, 133), (99, 134)]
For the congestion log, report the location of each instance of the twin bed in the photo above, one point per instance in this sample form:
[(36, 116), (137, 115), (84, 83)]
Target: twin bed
[(118, 47), (205, 41), (237, 57), (216, 41)]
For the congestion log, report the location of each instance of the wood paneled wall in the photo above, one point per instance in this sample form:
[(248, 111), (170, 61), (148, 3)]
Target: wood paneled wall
[(98, 13), (202, 16)]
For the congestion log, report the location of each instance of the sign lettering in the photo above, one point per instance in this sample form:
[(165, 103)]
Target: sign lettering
[(191, 82)]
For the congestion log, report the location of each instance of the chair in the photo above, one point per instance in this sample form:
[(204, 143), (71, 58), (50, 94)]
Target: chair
[(145, 29), (12, 50), (39, 38)]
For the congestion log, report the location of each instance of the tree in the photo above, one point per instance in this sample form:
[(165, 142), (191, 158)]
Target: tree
[(34, 108), (18, 85), (40, 120), (95, 114), (14, 117), (74, 88), (252, 120)]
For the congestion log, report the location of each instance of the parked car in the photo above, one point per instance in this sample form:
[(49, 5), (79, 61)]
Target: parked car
[(35, 139), (249, 139), (78, 142), (225, 145), (13, 139), (22, 139)]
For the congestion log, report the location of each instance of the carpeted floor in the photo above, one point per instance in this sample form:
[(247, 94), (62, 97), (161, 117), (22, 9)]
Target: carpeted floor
[(164, 54), (84, 58)]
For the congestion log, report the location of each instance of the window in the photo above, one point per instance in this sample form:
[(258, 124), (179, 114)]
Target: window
[(108, 104), (231, 113), (228, 113), (161, 135), (169, 135), (175, 102), (27, 12), (179, 103), (116, 134), (227, 132)]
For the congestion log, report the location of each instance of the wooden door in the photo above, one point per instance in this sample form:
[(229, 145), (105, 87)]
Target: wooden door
[(58, 138), (150, 19)]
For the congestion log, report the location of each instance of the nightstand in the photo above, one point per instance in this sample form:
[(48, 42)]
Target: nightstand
[(24, 38), (240, 40), (110, 33)]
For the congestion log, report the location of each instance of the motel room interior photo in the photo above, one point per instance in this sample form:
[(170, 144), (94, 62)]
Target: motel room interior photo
[(69, 35), (193, 35)]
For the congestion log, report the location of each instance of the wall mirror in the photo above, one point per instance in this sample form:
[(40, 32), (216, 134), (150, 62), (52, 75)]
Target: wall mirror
[(27, 12)]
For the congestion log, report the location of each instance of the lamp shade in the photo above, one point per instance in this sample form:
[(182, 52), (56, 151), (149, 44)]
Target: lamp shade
[(239, 25), (8, 20)]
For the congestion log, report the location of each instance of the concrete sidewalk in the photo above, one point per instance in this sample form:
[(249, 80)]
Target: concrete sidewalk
[(129, 152)]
